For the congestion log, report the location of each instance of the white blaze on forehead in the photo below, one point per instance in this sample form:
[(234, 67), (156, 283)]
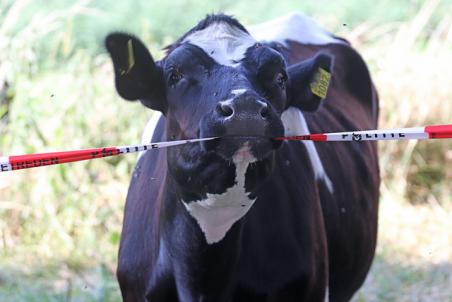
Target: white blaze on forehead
[(295, 124), (218, 212), (294, 26), (225, 43), (237, 92)]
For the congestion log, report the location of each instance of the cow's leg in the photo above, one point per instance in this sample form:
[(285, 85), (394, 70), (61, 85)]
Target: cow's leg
[(161, 286), (203, 272), (215, 292), (132, 289), (301, 290), (163, 289)]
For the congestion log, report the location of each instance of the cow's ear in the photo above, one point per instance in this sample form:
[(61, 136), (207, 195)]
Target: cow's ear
[(309, 81), (137, 76)]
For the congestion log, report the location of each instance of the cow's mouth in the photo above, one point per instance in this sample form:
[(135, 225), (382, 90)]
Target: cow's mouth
[(243, 147)]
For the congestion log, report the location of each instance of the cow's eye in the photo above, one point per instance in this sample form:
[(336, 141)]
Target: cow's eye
[(174, 76), (281, 79)]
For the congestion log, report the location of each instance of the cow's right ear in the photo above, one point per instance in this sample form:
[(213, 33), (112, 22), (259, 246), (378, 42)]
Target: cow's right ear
[(137, 76), (309, 81)]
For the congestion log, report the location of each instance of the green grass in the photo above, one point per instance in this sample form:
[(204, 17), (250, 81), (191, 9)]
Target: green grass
[(58, 282), (60, 225)]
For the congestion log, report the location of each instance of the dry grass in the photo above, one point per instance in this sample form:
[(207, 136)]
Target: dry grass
[(414, 253), (412, 72), (411, 63)]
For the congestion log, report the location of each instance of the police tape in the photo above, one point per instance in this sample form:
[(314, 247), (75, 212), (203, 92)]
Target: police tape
[(17, 162), (429, 132), (27, 161)]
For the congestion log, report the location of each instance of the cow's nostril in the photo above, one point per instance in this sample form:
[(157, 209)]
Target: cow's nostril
[(264, 111), (225, 109)]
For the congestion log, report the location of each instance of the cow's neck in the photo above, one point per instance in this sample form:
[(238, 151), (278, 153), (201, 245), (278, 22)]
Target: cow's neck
[(217, 213)]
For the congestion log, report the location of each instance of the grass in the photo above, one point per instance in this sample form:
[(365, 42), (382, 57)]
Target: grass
[(59, 282), (60, 225), (413, 253)]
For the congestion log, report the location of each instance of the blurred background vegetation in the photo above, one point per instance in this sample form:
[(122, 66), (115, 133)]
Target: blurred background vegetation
[(60, 225)]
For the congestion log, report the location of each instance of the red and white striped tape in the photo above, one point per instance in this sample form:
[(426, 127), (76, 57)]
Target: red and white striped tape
[(9, 163), (429, 132), (18, 162)]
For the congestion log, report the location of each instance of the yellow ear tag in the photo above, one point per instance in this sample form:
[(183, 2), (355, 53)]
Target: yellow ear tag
[(319, 86), (130, 58)]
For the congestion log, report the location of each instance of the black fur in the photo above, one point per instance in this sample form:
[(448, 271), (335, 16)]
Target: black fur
[(298, 239)]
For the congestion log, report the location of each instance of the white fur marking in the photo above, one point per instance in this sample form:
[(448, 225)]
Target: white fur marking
[(327, 294), (294, 26), (218, 212), (295, 124), (148, 132), (225, 43), (237, 92)]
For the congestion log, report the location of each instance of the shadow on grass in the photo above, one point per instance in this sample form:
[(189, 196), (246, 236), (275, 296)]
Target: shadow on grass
[(387, 281), (390, 280)]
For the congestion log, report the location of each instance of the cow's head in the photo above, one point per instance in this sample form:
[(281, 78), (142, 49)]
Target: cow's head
[(216, 81)]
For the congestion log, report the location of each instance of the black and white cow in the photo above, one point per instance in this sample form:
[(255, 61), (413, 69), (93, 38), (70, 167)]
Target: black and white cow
[(244, 217)]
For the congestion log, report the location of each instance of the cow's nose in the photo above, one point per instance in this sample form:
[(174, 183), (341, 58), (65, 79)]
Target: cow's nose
[(251, 108), (225, 109)]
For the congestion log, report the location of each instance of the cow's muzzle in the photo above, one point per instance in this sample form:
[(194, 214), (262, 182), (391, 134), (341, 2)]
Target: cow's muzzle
[(243, 121)]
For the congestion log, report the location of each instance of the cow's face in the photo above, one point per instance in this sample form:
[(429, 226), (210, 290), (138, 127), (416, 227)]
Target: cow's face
[(226, 96), (216, 81)]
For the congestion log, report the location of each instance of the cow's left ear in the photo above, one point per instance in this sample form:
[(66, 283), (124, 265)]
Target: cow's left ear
[(308, 82), (137, 76)]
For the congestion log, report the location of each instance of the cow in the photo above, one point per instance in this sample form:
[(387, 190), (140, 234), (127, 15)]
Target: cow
[(245, 217)]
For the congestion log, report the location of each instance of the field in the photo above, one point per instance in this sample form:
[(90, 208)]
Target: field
[(60, 225)]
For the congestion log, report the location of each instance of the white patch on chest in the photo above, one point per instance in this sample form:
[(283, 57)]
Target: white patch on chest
[(295, 124), (225, 43), (148, 132), (218, 212), (294, 26)]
